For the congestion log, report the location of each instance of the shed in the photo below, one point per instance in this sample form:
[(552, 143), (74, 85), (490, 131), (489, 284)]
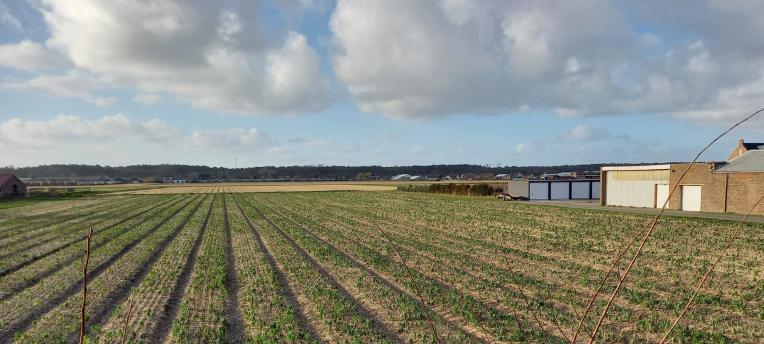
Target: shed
[(570, 189), (11, 186)]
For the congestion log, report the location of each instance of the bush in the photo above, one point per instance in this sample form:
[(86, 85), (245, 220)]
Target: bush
[(454, 189)]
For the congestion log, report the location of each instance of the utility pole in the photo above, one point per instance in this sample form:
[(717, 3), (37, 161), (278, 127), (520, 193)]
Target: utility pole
[(235, 163)]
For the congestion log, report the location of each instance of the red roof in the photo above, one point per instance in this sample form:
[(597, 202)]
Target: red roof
[(4, 178)]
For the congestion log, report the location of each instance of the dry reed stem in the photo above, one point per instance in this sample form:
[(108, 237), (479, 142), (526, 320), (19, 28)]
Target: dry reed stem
[(653, 223), (710, 269), (416, 286), (127, 321), (85, 287), (602, 284)]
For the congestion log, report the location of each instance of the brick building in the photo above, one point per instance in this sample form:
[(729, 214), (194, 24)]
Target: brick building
[(733, 186)]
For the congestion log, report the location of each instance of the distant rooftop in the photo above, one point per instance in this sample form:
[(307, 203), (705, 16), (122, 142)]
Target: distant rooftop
[(753, 146), (750, 161)]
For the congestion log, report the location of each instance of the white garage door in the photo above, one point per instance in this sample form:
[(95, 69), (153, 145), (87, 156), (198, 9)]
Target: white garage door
[(539, 191), (691, 197), (560, 190), (580, 190), (661, 195)]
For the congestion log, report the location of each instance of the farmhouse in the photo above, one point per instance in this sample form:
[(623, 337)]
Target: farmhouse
[(11, 186), (731, 186)]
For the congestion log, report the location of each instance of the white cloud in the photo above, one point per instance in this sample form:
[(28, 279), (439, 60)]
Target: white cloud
[(28, 55), (68, 130), (414, 59), (231, 139), (200, 52), (147, 99), (118, 139), (73, 84)]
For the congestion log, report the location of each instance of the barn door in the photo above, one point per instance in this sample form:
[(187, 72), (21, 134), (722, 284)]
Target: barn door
[(661, 194), (691, 197)]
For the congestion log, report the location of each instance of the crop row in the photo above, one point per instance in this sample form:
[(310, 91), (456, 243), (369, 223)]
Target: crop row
[(486, 233), (201, 317), (267, 302), (65, 234), (110, 284), (483, 320), (30, 304), (334, 312), (37, 269), (152, 304), (26, 227)]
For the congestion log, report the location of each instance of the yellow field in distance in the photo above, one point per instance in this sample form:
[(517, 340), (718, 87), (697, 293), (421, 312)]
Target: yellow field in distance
[(259, 187)]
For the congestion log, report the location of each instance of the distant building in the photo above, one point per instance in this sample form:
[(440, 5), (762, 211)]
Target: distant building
[(554, 189), (173, 180), (502, 176), (11, 186), (731, 186), (401, 177), (561, 175)]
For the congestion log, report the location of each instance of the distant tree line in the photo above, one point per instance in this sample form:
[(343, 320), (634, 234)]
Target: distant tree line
[(192, 172)]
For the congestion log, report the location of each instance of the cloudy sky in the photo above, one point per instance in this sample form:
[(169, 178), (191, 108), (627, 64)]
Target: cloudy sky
[(387, 82)]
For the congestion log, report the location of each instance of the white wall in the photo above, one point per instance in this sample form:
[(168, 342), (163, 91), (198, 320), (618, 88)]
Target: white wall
[(633, 188)]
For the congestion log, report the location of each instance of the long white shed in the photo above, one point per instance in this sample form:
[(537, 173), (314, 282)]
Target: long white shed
[(555, 189), (635, 186)]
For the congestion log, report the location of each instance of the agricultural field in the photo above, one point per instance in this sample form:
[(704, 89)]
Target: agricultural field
[(260, 187), (225, 263)]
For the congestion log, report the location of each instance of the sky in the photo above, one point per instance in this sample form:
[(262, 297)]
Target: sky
[(383, 82)]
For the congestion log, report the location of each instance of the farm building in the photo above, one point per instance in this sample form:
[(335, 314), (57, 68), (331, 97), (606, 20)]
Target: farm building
[(567, 189), (731, 186), (11, 186)]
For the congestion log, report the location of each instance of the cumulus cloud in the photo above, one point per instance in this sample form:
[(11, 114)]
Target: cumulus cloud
[(110, 130), (119, 139), (73, 84), (414, 59), (231, 139), (201, 52), (28, 55), (71, 129)]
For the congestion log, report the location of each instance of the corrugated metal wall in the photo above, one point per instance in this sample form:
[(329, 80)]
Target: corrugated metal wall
[(633, 188)]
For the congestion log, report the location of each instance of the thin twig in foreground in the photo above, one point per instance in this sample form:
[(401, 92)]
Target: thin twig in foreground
[(85, 287), (711, 269), (127, 321), (416, 286)]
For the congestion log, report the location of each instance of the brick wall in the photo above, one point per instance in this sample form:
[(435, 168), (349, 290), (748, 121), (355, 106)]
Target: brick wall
[(741, 190), (713, 186)]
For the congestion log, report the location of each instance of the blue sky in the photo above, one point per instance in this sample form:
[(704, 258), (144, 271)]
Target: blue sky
[(392, 82)]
